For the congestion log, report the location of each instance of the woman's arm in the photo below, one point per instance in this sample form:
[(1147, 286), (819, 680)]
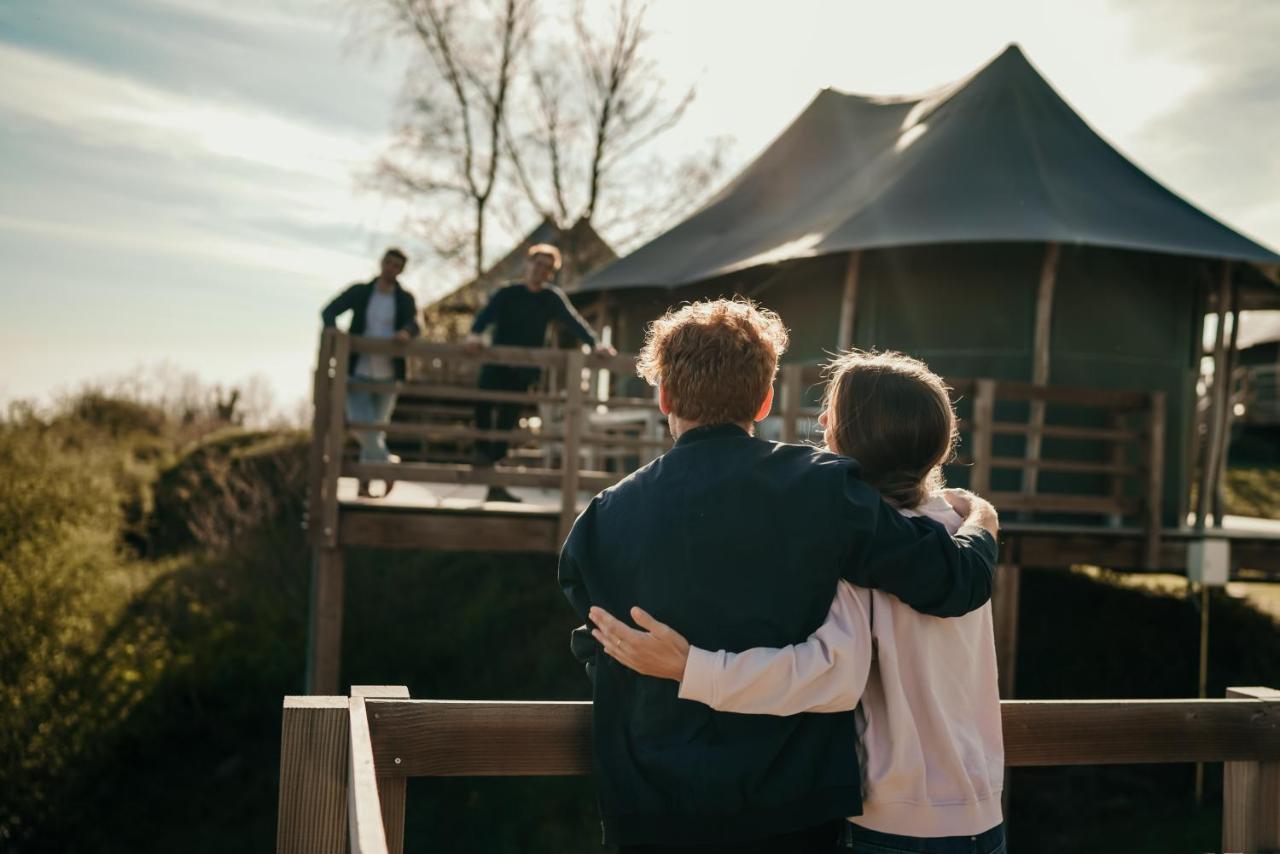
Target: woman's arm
[(826, 673)]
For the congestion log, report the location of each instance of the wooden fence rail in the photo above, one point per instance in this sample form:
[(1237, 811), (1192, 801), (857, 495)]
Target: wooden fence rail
[(378, 738)]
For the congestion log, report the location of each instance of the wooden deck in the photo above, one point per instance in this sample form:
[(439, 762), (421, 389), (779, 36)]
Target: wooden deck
[(1100, 466)]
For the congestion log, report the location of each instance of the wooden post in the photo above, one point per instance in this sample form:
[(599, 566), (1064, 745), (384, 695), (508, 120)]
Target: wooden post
[(573, 415), (391, 787), (1217, 400), (1004, 603), (984, 404), (321, 400), (792, 389), (1228, 408), (324, 635), (312, 811), (335, 440), (1040, 360), (849, 301), (1251, 793), (1155, 479)]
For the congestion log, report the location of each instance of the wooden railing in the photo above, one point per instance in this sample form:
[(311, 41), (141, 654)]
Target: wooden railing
[(1257, 391), (1075, 451), (580, 415), (344, 760), (1110, 442)]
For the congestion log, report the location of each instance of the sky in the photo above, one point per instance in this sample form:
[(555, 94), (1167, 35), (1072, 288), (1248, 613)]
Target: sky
[(183, 183)]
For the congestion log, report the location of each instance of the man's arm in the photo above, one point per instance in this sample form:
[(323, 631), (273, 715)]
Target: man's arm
[(577, 324), (343, 302), (916, 559), (488, 314)]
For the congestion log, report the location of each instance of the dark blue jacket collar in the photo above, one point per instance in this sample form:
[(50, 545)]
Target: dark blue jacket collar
[(711, 431)]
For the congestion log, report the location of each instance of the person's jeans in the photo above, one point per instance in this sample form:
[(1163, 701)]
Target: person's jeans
[(369, 406), (860, 839), (815, 840), (500, 378)]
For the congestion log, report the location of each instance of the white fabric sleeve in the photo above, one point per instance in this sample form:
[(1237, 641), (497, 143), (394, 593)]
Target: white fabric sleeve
[(826, 673)]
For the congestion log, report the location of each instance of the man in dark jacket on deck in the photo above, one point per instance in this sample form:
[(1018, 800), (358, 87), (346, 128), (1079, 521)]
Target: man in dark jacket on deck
[(740, 541), (519, 313)]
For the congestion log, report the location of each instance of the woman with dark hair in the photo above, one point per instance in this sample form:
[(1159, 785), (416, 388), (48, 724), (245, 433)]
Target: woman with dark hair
[(925, 688)]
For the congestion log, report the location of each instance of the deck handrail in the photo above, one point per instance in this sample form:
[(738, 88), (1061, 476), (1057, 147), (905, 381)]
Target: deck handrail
[(421, 738)]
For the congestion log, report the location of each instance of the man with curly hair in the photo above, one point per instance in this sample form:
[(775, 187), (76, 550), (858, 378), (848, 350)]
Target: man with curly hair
[(742, 542)]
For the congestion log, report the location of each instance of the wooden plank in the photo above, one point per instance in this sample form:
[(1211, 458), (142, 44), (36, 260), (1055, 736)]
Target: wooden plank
[(312, 814), (446, 532), (792, 386), (364, 809), (849, 301), (984, 403), (518, 356), (1040, 359), (1251, 793), (481, 738), (496, 476), (321, 400), (569, 464), (391, 789), (1228, 407), (1004, 604), (1056, 503), (324, 647), (456, 393), (1100, 397), (335, 439), (1100, 434), (1154, 498)]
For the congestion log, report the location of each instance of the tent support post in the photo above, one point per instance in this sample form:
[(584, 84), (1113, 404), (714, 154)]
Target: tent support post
[(849, 302), (1228, 411), (1217, 401), (1040, 358)]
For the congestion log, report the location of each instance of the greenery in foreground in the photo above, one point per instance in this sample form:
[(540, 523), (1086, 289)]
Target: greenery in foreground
[(152, 615)]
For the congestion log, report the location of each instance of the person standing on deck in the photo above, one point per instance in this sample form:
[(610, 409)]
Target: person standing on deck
[(519, 313), (380, 308)]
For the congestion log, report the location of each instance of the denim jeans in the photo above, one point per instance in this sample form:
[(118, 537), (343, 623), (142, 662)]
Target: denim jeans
[(370, 406), (865, 841)]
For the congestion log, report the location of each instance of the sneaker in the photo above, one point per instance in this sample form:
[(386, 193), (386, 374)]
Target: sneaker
[(498, 493)]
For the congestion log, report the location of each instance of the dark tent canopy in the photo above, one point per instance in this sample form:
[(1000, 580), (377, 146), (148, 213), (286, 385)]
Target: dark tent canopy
[(996, 157)]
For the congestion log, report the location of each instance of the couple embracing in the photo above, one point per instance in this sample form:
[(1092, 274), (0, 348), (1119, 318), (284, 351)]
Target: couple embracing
[(791, 648)]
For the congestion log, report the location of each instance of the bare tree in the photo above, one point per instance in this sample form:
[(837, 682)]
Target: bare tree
[(551, 122), (451, 142)]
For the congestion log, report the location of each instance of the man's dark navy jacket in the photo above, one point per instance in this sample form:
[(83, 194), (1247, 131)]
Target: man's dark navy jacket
[(356, 300), (738, 542)]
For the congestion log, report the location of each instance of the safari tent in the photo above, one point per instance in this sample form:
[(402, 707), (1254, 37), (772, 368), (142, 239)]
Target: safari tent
[(984, 227)]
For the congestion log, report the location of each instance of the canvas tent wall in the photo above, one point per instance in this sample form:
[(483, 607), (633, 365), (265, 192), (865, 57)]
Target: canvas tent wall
[(924, 224)]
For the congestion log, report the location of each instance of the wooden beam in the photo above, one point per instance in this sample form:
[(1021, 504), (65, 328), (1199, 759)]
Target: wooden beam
[(792, 387), (1251, 793), (569, 464), (364, 809), (984, 404), (449, 738), (1004, 603), (849, 301), (321, 400), (391, 788), (1228, 408), (1155, 479), (312, 812), (334, 442), (1040, 356), (496, 476), (324, 641), (1217, 400), (485, 530)]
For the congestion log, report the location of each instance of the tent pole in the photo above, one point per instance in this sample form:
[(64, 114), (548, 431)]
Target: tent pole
[(844, 338), (1040, 359), (1213, 423)]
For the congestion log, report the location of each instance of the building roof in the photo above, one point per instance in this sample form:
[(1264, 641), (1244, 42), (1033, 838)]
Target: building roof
[(996, 157)]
